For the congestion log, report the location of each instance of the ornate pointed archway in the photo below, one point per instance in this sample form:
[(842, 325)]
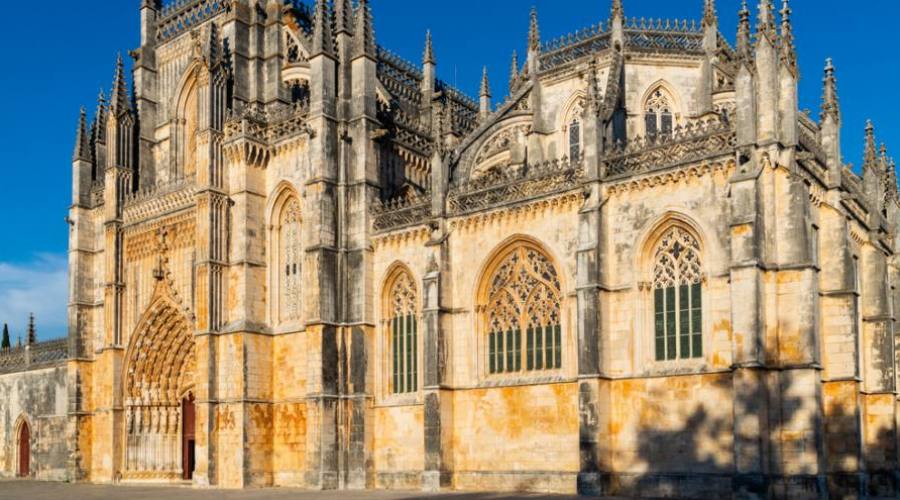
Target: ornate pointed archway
[(159, 375)]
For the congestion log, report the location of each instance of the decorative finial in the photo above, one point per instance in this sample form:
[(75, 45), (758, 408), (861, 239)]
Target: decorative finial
[(120, 89), (32, 332), (788, 53), (485, 84), (743, 34), (534, 32), (428, 57), (323, 41), (830, 103), (343, 17), (364, 41), (766, 17), (514, 72), (870, 154), (617, 10), (82, 139), (710, 18)]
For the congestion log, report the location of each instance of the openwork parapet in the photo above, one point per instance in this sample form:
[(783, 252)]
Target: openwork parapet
[(692, 142), (402, 212), (508, 185), (179, 16), (34, 356)]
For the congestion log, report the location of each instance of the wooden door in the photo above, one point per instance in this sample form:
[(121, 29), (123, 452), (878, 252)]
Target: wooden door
[(187, 437), (24, 450)]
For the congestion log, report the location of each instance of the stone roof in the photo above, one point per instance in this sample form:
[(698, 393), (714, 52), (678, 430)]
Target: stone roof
[(34, 357)]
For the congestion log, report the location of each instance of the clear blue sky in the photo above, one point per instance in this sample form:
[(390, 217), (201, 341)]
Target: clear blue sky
[(58, 55)]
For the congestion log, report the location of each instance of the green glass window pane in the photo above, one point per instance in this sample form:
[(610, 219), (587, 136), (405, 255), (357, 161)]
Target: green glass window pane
[(529, 353), (698, 345), (557, 333), (670, 335), (415, 357), (658, 300), (685, 334), (695, 295), (509, 351), (683, 297), (396, 348), (660, 348), (492, 350), (539, 348), (660, 325), (670, 299), (518, 344)]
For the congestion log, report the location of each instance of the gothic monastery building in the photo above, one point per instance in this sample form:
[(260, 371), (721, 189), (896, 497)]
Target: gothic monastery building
[(297, 260)]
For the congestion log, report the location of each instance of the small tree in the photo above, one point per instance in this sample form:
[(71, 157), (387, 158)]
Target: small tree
[(5, 343)]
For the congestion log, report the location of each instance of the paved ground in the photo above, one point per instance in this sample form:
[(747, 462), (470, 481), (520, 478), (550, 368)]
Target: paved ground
[(33, 490)]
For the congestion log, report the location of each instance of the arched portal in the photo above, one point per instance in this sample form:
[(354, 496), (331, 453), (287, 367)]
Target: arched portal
[(159, 378), (24, 469)]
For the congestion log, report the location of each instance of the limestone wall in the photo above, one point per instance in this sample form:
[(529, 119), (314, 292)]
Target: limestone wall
[(38, 397)]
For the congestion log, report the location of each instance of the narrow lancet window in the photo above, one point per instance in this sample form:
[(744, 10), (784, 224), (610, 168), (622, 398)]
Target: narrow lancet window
[(402, 328), (659, 117)]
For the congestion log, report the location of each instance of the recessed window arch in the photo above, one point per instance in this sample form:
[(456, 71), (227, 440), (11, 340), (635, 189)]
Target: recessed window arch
[(677, 296), (287, 259), (573, 130), (659, 112), (521, 312), (400, 325), (187, 121)]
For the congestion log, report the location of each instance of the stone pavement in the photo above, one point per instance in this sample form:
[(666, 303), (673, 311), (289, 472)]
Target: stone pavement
[(35, 490)]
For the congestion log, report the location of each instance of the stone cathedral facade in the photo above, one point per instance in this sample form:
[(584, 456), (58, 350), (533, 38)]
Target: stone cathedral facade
[(299, 260)]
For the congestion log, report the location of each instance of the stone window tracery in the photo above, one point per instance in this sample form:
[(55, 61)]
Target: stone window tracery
[(575, 139), (401, 324), (290, 259), (677, 297), (523, 314), (659, 114)]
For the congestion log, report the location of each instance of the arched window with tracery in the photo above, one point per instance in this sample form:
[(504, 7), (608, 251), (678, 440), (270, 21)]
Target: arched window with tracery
[(289, 261), (677, 297), (522, 313), (401, 326), (659, 114)]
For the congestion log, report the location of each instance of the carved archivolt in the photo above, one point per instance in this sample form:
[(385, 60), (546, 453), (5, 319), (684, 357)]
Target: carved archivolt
[(496, 148)]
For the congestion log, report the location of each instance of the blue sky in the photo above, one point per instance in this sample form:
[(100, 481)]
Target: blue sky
[(58, 57)]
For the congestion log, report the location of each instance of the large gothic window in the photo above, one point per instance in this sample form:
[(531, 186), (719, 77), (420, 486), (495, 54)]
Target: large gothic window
[(659, 114), (289, 260), (677, 297), (523, 313), (401, 325)]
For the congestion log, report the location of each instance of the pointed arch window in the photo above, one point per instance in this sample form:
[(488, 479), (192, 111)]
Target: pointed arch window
[(677, 297), (659, 115), (290, 259), (401, 325), (523, 314)]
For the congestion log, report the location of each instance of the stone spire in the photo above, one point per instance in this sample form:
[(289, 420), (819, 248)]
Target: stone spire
[(343, 17), (710, 18), (32, 332), (120, 103), (485, 93), (428, 55), (364, 41), (743, 34), (617, 25), (870, 154), (830, 103), (788, 52), (82, 139), (514, 73), (534, 33), (766, 20), (485, 84), (323, 41)]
